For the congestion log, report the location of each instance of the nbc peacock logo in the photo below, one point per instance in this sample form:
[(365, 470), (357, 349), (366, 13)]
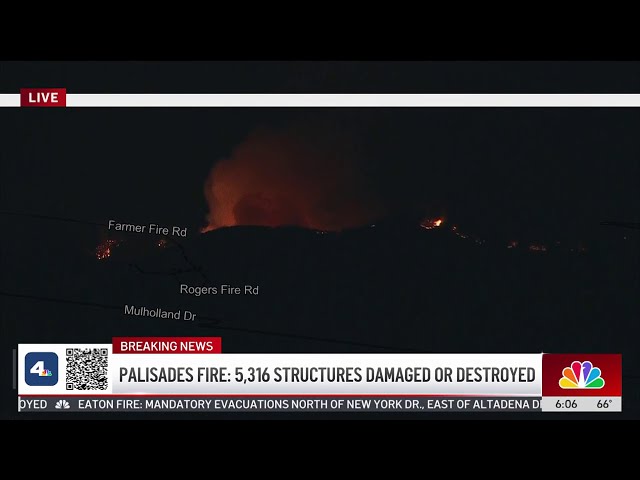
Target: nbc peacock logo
[(581, 375)]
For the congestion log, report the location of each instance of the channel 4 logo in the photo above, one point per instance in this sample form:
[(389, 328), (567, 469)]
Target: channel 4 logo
[(41, 369)]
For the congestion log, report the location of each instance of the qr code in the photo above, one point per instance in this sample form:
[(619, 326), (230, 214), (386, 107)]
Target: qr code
[(87, 368)]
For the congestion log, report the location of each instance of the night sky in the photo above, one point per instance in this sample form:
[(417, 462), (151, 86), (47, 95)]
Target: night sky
[(498, 172), (535, 175)]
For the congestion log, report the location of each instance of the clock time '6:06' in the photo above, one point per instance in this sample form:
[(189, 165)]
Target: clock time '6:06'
[(568, 403)]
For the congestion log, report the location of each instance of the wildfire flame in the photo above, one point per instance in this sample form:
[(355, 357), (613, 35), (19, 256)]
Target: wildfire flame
[(105, 249), (431, 223)]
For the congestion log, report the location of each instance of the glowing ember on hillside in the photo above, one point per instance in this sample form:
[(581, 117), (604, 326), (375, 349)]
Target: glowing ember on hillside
[(105, 249), (431, 223)]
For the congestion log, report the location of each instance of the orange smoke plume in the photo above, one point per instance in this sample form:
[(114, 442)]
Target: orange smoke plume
[(301, 176)]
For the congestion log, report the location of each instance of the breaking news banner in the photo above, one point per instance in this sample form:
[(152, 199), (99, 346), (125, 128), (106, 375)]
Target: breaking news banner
[(145, 374)]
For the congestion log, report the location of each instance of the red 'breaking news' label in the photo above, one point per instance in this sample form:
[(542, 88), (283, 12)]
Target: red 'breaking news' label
[(43, 97), (167, 345)]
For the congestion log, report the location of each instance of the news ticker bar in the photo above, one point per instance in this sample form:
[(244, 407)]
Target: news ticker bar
[(150, 403), (184, 367), (58, 97)]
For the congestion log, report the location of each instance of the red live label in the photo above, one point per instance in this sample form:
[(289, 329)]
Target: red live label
[(167, 345), (43, 97)]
